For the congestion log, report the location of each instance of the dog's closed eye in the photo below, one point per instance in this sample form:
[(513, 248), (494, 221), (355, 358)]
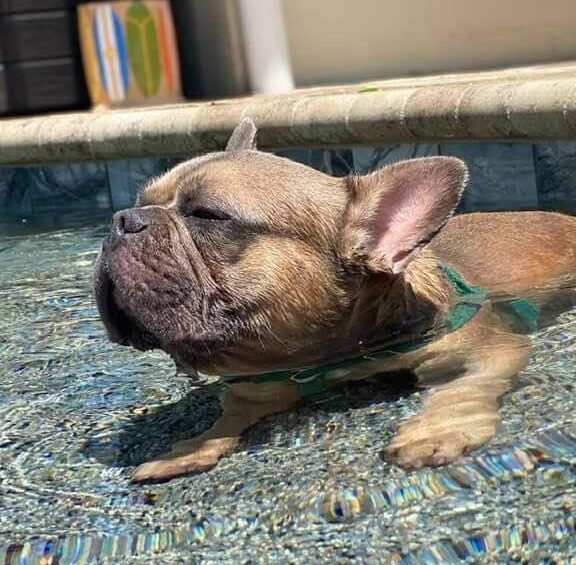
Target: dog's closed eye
[(208, 214)]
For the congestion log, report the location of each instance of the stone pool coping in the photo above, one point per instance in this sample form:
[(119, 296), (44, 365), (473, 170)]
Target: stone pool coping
[(513, 104)]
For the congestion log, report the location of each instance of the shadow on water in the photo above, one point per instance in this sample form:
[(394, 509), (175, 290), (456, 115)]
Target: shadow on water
[(149, 433)]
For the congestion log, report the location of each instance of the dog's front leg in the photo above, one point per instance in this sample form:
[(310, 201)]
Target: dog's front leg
[(243, 406), (461, 414)]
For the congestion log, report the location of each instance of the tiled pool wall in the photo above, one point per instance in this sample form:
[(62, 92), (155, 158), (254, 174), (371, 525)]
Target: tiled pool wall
[(504, 176)]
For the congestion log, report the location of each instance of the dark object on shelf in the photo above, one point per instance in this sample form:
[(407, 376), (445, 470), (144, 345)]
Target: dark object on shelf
[(20, 6), (40, 64), (211, 49)]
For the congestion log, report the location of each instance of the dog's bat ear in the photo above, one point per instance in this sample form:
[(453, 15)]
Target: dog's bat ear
[(395, 211), (243, 137)]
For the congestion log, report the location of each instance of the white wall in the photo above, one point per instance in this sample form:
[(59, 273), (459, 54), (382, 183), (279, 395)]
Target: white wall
[(333, 41)]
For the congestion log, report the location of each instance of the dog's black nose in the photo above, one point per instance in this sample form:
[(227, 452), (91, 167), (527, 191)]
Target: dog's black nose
[(128, 221)]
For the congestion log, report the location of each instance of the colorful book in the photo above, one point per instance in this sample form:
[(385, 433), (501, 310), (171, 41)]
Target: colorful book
[(129, 52)]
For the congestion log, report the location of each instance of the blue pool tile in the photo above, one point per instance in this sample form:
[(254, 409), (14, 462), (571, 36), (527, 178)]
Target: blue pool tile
[(368, 159), (555, 164), (502, 175)]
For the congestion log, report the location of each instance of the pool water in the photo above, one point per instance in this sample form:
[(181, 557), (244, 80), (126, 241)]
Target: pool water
[(78, 413)]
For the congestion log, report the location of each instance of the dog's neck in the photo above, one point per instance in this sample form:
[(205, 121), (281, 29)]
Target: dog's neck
[(397, 308), (385, 310)]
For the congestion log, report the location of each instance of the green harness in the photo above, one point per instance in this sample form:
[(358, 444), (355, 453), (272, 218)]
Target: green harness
[(311, 381)]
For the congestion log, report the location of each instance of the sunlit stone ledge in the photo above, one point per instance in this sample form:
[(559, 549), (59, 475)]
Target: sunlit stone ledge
[(533, 103)]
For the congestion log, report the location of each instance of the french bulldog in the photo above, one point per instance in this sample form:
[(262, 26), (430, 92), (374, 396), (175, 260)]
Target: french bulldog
[(282, 279)]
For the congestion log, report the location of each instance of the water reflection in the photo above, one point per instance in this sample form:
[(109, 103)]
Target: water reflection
[(76, 413)]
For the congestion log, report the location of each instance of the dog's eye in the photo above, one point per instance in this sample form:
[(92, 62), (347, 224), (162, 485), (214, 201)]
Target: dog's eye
[(207, 214)]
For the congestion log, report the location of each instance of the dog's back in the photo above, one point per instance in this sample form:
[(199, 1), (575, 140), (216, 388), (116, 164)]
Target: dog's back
[(512, 252)]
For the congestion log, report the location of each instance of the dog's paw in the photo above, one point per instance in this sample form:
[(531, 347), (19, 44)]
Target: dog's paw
[(431, 452), (420, 443), (169, 468), (185, 457)]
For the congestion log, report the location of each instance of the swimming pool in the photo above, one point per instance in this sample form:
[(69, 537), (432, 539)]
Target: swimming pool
[(78, 413)]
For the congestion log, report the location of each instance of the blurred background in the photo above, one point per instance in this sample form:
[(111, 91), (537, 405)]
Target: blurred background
[(58, 56), (235, 47)]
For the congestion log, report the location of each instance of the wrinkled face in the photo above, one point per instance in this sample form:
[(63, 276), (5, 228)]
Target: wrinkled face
[(243, 262), (228, 263)]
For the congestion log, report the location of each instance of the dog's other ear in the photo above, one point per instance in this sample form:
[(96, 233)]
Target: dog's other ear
[(243, 137), (396, 210)]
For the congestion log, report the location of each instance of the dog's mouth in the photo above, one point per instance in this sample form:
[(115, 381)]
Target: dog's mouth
[(120, 327), (124, 330), (193, 348)]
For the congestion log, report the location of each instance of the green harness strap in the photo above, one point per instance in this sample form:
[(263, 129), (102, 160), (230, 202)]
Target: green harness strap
[(525, 313), (311, 380)]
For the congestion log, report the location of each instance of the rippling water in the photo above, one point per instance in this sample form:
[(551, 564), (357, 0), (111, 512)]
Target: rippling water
[(76, 414)]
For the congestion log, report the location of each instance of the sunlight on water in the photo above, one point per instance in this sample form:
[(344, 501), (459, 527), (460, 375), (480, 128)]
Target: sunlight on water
[(77, 413)]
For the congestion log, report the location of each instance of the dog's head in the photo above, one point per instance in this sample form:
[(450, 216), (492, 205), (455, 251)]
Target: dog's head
[(242, 261)]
